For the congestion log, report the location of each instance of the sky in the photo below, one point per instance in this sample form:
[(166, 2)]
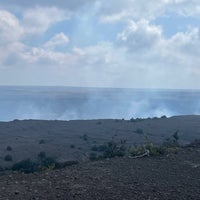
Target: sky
[(100, 43)]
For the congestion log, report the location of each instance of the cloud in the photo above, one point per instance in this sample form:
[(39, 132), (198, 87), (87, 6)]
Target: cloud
[(44, 57), (119, 10), (38, 20), (10, 29), (57, 40), (185, 8), (187, 42), (166, 64), (70, 5), (10, 35), (140, 35), (132, 9), (139, 56)]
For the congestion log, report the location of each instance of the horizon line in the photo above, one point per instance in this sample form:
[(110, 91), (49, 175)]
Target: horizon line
[(100, 87)]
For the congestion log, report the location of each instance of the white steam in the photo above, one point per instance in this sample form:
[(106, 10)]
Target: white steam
[(86, 103)]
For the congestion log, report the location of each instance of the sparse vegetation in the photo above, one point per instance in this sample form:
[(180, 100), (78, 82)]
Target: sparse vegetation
[(139, 119), (172, 141), (48, 163), (42, 164), (99, 148), (176, 136), (132, 120), (136, 150), (9, 148), (169, 146), (155, 118), (152, 149), (44, 161), (26, 166), (72, 146), (84, 137), (114, 149), (109, 150), (139, 131), (29, 166), (8, 158), (42, 142)]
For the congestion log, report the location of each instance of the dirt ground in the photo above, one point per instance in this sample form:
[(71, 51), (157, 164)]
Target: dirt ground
[(167, 177), (72, 140)]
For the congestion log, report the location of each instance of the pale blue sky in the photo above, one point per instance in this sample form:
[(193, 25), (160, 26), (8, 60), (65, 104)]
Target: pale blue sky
[(99, 43)]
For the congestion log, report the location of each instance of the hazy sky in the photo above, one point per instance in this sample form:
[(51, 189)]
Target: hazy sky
[(102, 43)]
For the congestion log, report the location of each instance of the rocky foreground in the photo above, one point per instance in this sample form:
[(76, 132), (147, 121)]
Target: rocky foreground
[(172, 176)]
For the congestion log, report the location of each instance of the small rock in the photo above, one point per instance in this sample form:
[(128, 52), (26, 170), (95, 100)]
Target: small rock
[(16, 192), (58, 195), (23, 182)]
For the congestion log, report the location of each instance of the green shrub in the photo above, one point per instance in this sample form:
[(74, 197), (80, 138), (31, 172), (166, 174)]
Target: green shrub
[(172, 141), (172, 150), (48, 161), (9, 148), (137, 150), (8, 158), (94, 148), (169, 143), (155, 118), (114, 149), (72, 146), (99, 148), (176, 136), (139, 131), (85, 137), (154, 150), (132, 120), (41, 142), (26, 166), (141, 149), (163, 117)]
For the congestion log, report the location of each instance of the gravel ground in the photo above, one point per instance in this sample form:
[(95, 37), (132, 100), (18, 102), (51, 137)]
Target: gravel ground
[(173, 176)]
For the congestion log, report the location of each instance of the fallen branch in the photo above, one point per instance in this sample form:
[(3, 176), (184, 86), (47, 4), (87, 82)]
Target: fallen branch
[(146, 153)]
